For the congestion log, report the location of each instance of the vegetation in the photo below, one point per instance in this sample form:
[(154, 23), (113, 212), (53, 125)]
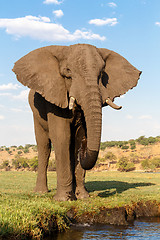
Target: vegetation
[(131, 143), (122, 155), (151, 164), (30, 164), (25, 214), (124, 165)]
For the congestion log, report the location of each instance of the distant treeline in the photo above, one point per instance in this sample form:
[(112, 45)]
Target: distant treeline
[(121, 144), (131, 143)]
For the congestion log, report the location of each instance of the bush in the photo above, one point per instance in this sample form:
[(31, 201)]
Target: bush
[(110, 156), (20, 162), (52, 165), (132, 144), (134, 158), (19, 152), (20, 147), (151, 164), (16, 163), (147, 141), (124, 165), (5, 165), (125, 147), (26, 150), (10, 152), (34, 148), (33, 163)]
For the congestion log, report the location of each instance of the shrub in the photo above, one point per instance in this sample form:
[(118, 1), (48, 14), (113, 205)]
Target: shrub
[(125, 147), (16, 164), (52, 165), (5, 165), (132, 144), (34, 148), (20, 162), (26, 150), (110, 156), (124, 165), (19, 152), (147, 141), (143, 141), (33, 163), (151, 164), (134, 158), (20, 147)]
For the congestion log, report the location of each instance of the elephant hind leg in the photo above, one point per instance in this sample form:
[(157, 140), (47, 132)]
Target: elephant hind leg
[(44, 149)]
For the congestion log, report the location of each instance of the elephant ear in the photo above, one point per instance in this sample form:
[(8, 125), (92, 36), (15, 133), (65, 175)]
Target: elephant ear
[(118, 76), (39, 70)]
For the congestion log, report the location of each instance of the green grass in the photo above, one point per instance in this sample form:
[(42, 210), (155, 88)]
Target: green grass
[(25, 213)]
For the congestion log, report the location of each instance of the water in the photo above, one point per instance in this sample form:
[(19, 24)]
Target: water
[(144, 229)]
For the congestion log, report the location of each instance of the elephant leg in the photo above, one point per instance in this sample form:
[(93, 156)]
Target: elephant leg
[(44, 149), (60, 135), (80, 145)]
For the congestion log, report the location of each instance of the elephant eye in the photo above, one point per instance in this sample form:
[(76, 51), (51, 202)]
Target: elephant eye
[(67, 72)]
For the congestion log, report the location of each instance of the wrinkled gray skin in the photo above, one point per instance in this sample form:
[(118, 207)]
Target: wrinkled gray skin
[(87, 75)]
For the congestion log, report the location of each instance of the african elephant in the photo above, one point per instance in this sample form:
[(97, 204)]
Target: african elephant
[(69, 85)]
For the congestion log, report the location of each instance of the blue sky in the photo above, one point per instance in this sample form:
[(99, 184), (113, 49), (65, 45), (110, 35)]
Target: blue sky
[(129, 27)]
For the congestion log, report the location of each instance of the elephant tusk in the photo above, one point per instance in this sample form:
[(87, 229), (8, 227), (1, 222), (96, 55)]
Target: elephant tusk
[(71, 103), (113, 105)]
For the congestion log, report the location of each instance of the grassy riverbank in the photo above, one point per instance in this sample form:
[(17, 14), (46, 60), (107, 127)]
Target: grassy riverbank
[(24, 213)]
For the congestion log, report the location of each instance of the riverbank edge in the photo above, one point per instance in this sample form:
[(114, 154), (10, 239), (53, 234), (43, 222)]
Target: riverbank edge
[(117, 215), (121, 216)]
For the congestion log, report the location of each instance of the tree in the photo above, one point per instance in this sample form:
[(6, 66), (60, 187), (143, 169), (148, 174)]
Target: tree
[(124, 165)]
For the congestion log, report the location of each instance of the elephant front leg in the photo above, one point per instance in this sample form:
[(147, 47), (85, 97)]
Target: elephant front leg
[(60, 132), (44, 149)]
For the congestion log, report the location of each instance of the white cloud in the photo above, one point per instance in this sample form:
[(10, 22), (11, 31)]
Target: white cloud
[(105, 21), (145, 117), (23, 95), (5, 94), (129, 117), (2, 106), (157, 23), (52, 2), (58, 13), (9, 86), (112, 4), (2, 117), (42, 29), (16, 110)]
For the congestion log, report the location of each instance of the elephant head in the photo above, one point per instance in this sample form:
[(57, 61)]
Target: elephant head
[(91, 76)]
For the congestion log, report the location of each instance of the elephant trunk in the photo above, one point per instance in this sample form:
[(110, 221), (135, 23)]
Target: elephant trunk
[(93, 117)]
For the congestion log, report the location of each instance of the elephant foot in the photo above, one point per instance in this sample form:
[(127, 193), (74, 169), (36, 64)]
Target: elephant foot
[(81, 193), (64, 196), (41, 189)]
